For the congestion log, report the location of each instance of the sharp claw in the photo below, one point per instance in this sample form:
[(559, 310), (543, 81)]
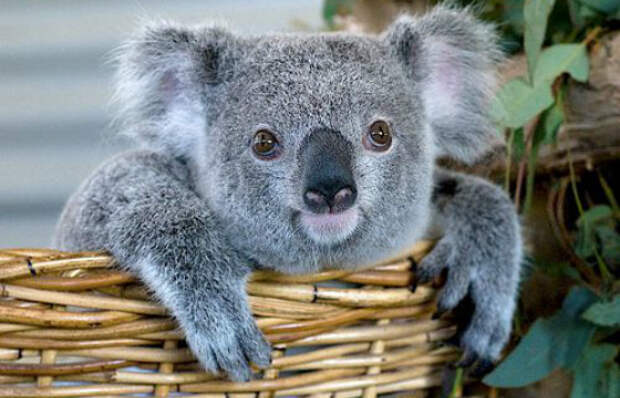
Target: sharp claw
[(421, 278), (468, 358), (437, 344), (414, 264), (413, 268), (453, 341), (483, 367), (439, 313), (429, 276), (424, 273), (439, 280)]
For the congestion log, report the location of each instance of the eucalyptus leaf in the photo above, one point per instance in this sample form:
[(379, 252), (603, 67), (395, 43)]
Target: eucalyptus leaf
[(549, 344), (595, 214), (540, 135), (604, 313), (590, 370), (586, 242), (562, 58), (556, 269), (331, 8), (512, 13), (518, 144), (611, 381), (535, 13), (610, 242), (517, 102), (574, 9), (587, 13), (552, 122), (605, 6)]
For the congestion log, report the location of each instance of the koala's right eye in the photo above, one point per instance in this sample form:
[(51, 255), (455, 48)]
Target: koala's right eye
[(379, 137), (265, 145)]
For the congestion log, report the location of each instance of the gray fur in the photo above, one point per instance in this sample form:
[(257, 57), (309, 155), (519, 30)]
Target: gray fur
[(194, 211), (481, 250)]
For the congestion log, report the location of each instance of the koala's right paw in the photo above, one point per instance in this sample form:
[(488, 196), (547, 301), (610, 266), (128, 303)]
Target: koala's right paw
[(228, 345), (479, 291)]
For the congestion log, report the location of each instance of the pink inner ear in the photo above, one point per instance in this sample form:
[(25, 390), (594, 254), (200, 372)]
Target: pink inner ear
[(443, 89)]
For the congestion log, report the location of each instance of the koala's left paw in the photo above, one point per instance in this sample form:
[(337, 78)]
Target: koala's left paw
[(480, 290)]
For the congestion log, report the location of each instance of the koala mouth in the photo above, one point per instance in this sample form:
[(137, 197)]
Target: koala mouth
[(329, 228)]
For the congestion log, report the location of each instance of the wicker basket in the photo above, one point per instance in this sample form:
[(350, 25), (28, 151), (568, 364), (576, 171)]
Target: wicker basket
[(72, 325)]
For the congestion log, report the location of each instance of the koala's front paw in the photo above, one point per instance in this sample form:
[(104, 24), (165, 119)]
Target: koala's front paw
[(227, 343), (480, 287)]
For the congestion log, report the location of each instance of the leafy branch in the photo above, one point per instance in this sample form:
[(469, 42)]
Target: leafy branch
[(530, 109)]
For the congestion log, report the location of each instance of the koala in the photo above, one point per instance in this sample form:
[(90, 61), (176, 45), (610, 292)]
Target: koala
[(294, 152)]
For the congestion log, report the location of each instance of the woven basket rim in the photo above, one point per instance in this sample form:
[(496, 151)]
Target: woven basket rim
[(372, 338)]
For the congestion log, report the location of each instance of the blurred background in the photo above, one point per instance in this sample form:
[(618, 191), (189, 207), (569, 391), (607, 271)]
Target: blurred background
[(557, 111), (55, 85)]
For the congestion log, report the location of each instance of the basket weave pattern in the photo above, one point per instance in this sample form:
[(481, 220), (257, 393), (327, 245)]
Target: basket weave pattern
[(72, 325)]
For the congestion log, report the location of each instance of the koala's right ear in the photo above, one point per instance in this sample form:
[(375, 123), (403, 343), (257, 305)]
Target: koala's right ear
[(452, 57), (163, 74)]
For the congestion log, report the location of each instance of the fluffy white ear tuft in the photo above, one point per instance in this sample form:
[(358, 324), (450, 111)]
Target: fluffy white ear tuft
[(162, 75), (452, 57)]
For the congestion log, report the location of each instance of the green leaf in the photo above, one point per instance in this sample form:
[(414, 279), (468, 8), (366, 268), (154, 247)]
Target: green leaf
[(517, 102), (590, 370), (536, 14), (610, 243), (549, 344), (586, 242), (587, 13), (595, 214), (540, 135), (605, 6), (331, 8), (518, 145), (604, 313), (557, 269), (512, 14), (611, 381), (552, 122), (574, 9), (562, 58)]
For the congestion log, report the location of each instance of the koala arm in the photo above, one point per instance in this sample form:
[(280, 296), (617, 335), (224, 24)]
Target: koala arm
[(481, 250), (142, 209)]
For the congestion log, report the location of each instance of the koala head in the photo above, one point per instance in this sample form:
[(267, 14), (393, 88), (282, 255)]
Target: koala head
[(314, 148)]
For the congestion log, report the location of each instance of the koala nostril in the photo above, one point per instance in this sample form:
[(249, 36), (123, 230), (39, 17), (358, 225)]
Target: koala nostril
[(316, 201), (343, 199), (333, 201)]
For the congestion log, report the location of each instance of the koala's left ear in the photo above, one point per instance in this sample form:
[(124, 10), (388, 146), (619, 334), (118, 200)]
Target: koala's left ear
[(452, 56), (164, 75)]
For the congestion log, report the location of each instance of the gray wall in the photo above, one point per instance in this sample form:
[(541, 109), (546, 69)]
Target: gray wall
[(55, 84)]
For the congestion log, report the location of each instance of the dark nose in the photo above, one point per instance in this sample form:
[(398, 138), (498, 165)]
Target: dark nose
[(331, 199), (326, 161)]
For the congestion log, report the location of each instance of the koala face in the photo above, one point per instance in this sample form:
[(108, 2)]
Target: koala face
[(317, 144), (312, 149)]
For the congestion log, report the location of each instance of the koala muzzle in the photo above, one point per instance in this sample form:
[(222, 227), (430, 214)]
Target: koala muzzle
[(329, 186)]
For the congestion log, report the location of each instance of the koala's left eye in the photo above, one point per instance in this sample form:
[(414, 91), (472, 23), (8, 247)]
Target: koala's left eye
[(379, 137), (265, 145)]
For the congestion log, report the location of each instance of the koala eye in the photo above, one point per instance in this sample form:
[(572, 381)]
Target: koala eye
[(379, 137), (265, 145)]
